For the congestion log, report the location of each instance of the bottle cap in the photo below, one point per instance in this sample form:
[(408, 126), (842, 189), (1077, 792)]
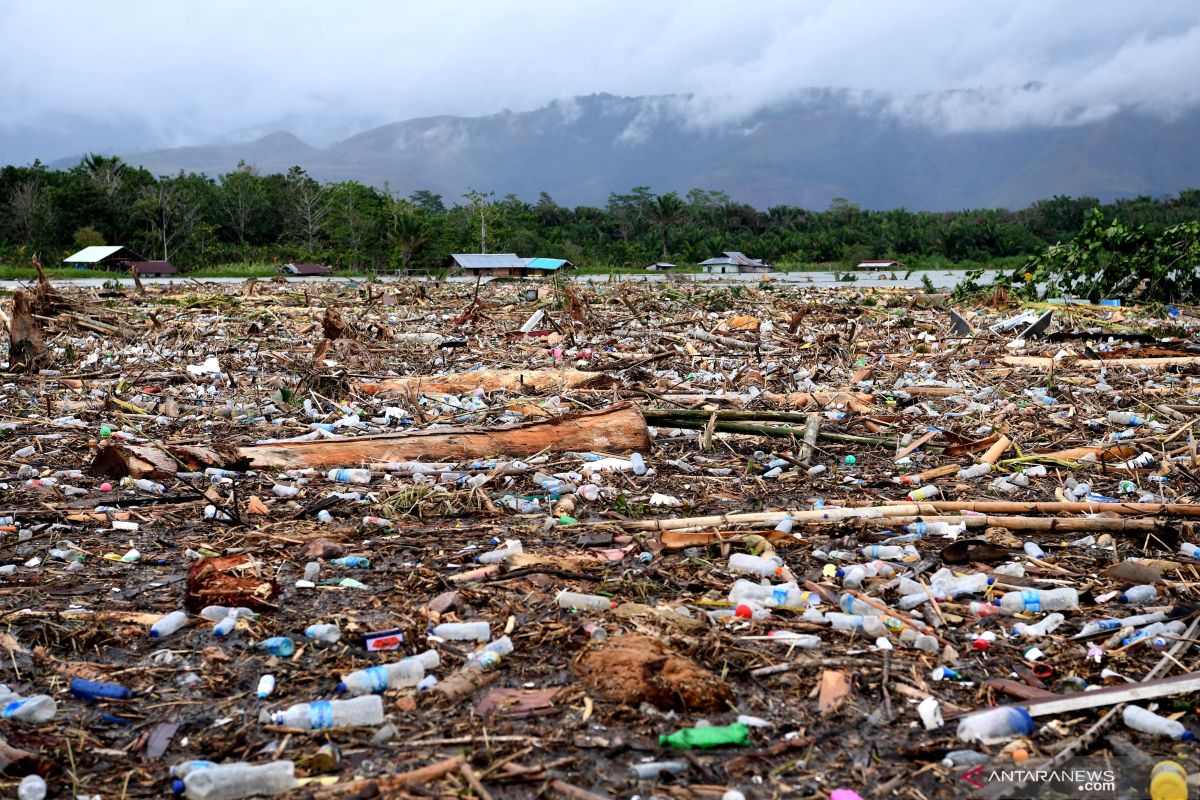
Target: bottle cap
[(341, 688)]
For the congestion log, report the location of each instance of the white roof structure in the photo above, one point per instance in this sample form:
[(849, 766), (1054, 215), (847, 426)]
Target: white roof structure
[(97, 253)]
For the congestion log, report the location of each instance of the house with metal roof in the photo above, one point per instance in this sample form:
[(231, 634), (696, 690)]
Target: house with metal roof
[(305, 268), (111, 257), (881, 263), (507, 265), (153, 269), (734, 261), (660, 265)]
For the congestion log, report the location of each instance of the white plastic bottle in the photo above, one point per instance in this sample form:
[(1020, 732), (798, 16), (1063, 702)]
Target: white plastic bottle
[(883, 551), (233, 781), (463, 631), (323, 714), (266, 685), (582, 602), (975, 471), (1040, 629), (755, 565), (168, 624), (1065, 599), (1139, 595), (1125, 418), (1033, 550), (279, 490), (1146, 721), (323, 632), (995, 723), (407, 672), (511, 548), (361, 476), (1190, 550), (853, 605)]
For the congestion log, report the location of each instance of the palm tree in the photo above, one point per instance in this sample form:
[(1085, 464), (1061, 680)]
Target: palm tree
[(668, 211)]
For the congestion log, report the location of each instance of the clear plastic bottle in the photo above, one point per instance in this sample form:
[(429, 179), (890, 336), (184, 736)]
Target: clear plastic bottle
[(1190, 550), (32, 787), (582, 602), (935, 528), (511, 548), (1065, 599), (995, 723), (755, 565), (323, 714), (883, 551), (218, 613), (1033, 550), (35, 708), (463, 631), (651, 770), (1146, 721), (490, 654), (233, 781), (168, 624), (1139, 595), (266, 685), (853, 605), (1125, 418), (150, 487), (226, 625), (360, 476), (924, 493), (323, 632), (279, 490), (406, 672)]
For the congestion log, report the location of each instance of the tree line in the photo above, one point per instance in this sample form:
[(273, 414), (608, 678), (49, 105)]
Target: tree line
[(243, 216)]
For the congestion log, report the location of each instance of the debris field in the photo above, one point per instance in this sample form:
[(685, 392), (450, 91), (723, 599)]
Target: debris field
[(557, 540)]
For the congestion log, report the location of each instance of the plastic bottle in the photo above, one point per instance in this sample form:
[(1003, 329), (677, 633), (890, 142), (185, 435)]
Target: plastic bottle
[(853, 605), (361, 476), (35, 708), (1168, 781), (92, 690), (490, 654), (995, 723), (1125, 418), (1190, 550), (653, 769), (226, 625), (150, 487), (638, 463), (323, 714), (511, 548), (975, 471), (924, 493), (708, 736), (168, 624), (882, 551), (279, 490), (358, 562), (463, 631), (406, 672), (582, 602), (32, 787), (1033, 550), (218, 613), (1065, 599), (1145, 721), (266, 685), (233, 781), (1043, 628), (323, 632), (281, 646), (935, 528), (376, 522), (755, 565), (1139, 595)]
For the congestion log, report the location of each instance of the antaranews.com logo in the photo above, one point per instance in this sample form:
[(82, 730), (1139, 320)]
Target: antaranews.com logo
[(1084, 778)]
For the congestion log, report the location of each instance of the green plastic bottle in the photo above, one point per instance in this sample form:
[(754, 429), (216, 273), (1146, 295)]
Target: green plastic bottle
[(712, 736)]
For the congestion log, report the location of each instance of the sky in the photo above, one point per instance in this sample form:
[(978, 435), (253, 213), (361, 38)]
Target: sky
[(130, 74)]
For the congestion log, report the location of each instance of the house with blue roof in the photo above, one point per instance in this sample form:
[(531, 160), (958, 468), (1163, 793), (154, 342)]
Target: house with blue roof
[(507, 265)]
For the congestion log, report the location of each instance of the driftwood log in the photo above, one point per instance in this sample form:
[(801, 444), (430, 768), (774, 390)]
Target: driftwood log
[(616, 429), (26, 351), (491, 380)]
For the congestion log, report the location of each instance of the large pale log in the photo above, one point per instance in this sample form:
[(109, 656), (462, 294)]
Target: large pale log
[(616, 429), (490, 380), (1096, 363)]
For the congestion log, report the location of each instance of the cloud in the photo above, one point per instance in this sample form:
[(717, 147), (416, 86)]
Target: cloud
[(196, 72)]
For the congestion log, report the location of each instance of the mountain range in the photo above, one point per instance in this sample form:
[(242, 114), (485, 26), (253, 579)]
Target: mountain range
[(823, 145)]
